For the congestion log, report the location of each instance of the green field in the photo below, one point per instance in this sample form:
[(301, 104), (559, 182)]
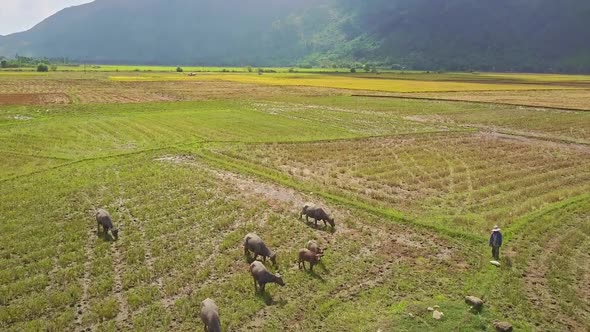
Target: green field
[(188, 166)]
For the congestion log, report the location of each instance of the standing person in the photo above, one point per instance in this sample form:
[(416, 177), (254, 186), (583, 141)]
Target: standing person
[(496, 242)]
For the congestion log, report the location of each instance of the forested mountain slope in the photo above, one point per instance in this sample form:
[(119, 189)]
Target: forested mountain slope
[(519, 35)]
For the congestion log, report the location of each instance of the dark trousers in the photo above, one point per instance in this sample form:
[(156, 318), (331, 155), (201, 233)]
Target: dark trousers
[(496, 252)]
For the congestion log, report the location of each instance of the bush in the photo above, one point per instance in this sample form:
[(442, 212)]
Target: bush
[(179, 70), (353, 70), (249, 68), (42, 68), (54, 68), (3, 64)]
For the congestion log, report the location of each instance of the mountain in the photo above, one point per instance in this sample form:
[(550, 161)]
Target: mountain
[(525, 35), (507, 35)]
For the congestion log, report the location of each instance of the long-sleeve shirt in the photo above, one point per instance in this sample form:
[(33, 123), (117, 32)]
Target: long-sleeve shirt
[(496, 239)]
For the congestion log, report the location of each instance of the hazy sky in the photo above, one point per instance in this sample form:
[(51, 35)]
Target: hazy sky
[(21, 15)]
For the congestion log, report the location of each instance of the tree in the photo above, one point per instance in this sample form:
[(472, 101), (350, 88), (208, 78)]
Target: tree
[(179, 70), (249, 69), (54, 68), (42, 68), (3, 64), (367, 67), (353, 70)]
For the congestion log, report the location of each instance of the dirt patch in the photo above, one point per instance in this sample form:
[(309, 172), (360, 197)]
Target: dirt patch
[(34, 98), (177, 159), (429, 119), (270, 192), (273, 194), (19, 117)]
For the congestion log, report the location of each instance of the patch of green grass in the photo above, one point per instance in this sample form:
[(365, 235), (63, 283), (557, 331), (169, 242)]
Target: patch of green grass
[(106, 309), (140, 296), (77, 132)]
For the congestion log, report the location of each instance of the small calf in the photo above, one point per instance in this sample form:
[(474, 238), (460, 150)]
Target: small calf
[(312, 245), (262, 276), (103, 218), (210, 316), (317, 213), (254, 243), (306, 255)]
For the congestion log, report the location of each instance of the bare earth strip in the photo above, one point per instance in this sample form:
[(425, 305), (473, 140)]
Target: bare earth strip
[(34, 98)]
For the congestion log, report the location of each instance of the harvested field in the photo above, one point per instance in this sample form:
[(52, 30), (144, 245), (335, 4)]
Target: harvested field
[(96, 88), (568, 99), (464, 181)]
